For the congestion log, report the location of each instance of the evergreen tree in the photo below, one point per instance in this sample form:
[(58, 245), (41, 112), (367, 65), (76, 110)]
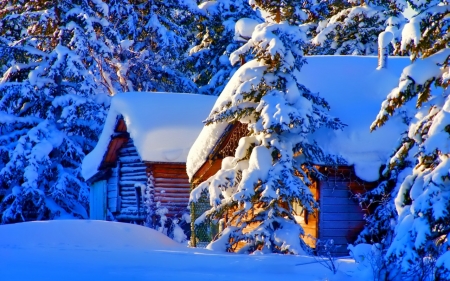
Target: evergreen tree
[(154, 39), (422, 199), (272, 167), (51, 103), (352, 27), (216, 41)]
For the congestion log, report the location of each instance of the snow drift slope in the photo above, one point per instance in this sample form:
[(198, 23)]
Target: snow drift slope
[(83, 234), (99, 250)]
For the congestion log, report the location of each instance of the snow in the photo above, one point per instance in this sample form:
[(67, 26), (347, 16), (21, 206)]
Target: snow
[(209, 6), (210, 134), (354, 89), (385, 38), (244, 28), (411, 31), (163, 126), (99, 250), (423, 70)]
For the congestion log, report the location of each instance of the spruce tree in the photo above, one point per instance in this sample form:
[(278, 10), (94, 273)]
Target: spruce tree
[(422, 199), (352, 27), (154, 40), (209, 58), (273, 165), (52, 103)]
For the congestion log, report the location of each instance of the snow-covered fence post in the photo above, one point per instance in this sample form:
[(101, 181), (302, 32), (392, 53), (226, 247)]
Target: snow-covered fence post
[(384, 39)]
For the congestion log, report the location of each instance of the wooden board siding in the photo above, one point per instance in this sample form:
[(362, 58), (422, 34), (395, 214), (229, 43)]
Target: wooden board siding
[(340, 217), (131, 171), (171, 186), (208, 169)]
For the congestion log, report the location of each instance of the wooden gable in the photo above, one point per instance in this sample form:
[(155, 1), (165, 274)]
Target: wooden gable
[(118, 139), (226, 146)]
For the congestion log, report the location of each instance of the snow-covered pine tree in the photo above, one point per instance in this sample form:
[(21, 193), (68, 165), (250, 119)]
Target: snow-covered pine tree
[(422, 200), (380, 202), (216, 41), (154, 41), (352, 27), (380, 223), (272, 167), (52, 104)]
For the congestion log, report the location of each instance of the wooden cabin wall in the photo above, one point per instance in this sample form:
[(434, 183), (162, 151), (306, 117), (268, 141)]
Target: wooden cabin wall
[(340, 216), (130, 171), (171, 186)]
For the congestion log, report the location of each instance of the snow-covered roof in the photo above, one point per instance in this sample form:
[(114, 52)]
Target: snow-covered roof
[(163, 126), (354, 89)]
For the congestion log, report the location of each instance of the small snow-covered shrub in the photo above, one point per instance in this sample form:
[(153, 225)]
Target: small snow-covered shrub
[(176, 227), (370, 256), (324, 254)]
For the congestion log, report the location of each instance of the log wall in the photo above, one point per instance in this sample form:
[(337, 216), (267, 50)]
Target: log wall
[(171, 186), (131, 171)]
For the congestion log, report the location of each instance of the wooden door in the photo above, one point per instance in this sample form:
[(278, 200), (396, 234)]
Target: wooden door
[(98, 200)]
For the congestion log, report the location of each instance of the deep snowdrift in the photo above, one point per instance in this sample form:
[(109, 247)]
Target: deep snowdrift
[(83, 234), (100, 250)]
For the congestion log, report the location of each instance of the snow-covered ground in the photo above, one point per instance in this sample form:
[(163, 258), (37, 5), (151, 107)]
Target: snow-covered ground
[(80, 250)]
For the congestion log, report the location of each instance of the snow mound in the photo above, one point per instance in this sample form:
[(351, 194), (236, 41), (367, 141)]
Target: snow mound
[(83, 234), (163, 126), (244, 28)]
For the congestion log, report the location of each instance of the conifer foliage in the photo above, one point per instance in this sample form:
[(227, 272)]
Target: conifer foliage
[(272, 166), (216, 40), (352, 27), (422, 200), (50, 104), (154, 37)]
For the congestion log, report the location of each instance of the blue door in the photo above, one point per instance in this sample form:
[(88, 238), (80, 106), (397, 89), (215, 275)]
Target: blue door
[(98, 200)]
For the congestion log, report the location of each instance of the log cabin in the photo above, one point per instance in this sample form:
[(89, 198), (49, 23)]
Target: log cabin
[(140, 159), (354, 89)]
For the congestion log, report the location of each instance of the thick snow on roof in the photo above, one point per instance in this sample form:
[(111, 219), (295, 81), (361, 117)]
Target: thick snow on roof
[(163, 126), (354, 89)]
